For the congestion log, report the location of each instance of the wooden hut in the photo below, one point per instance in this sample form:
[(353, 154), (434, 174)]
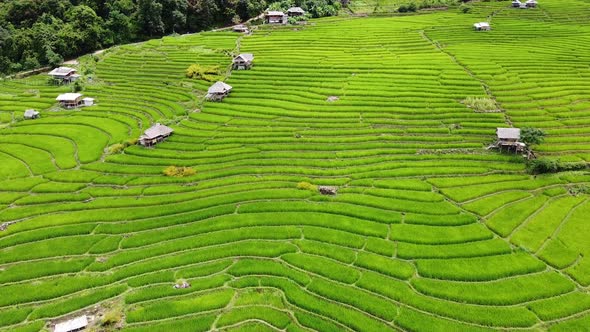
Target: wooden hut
[(64, 75), (241, 28), (70, 100), (243, 61), (507, 136), (218, 91), (482, 26), (276, 17), (76, 324), (155, 134), (510, 138), (531, 3), (295, 11), (31, 114)]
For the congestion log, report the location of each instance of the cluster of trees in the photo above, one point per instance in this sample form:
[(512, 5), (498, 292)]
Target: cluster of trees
[(413, 6), (36, 33), (313, 8), (546, 165)]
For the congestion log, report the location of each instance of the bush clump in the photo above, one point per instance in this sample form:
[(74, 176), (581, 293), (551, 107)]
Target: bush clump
[(111, 318), (531, 136), (78, 86), (409, 8), (176, 171), (206, 73), (578, 189), (307, 186), (120, 147), (545, 165), (465, 9), (116, 148)]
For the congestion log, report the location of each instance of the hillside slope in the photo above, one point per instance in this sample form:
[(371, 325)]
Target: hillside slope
[(428, 231)]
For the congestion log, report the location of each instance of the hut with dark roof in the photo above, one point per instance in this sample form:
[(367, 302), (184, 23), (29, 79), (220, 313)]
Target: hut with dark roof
[(63, 75), (276, 17), (218, 91), (243, 61), (295, 11), (155, 134), (70, 100), (241, 28), (510, 138)]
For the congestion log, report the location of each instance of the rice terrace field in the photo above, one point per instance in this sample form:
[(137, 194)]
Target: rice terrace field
[(429, 230)]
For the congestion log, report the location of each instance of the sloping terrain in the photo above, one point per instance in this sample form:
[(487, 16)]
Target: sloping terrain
[(428, 231)]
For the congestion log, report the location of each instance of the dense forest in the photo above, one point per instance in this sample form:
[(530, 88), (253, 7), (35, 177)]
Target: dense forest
[(35, 33)]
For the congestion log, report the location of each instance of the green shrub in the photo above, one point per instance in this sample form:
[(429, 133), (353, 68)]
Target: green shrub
[(578, 189), (546, 165), (411, 7), (120, 147), (116, 148), (111, 318), (465, 9), (532, 136), (78, 86)]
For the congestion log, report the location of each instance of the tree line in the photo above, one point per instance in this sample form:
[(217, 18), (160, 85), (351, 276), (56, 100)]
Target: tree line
[(36, 33)]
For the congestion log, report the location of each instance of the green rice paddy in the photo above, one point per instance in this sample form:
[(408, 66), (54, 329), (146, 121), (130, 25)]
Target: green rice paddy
[(429, 230)]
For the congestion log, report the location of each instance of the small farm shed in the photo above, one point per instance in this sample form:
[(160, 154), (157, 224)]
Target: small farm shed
[(276, 17), (64, 75), (295, 11), (31, 114), (531, 3), (241, 28), (508, 135), (88, 101), (218, 91), (155, 134), (510, 138), (70, 100), (243, 61), (482, 26), (76, 324)]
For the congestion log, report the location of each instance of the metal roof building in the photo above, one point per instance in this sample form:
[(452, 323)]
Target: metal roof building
[(76, 324)]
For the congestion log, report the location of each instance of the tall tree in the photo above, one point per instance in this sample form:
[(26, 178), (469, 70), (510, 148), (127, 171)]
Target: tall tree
[(119, 27), (149, 17), (89, 27), (174, 13)]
